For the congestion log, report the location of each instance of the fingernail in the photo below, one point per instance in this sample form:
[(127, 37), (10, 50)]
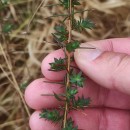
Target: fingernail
[(88, 54)]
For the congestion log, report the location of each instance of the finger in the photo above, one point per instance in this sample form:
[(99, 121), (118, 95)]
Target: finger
[(34, 94), (103, 97), (37, 123), (99, 96), (109, 69), (45, 66), (89, 119), (118, 45)]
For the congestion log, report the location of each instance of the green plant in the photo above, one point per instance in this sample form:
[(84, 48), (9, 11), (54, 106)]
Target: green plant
[(73, 79)]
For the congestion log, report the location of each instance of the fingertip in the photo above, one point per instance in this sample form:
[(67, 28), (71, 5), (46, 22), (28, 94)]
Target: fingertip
[(37, 123), (45, 66), (34, 94)]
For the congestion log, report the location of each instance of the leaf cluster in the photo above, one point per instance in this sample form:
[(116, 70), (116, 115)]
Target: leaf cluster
[(71, 92), (65, 3), (82, 24), (61, 33), (58, 64), (51, 115), (70, 125), (77, 79), (70, 47), (81, 102)]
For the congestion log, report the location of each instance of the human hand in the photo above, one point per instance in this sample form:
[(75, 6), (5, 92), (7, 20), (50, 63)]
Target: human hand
[(108, 85)]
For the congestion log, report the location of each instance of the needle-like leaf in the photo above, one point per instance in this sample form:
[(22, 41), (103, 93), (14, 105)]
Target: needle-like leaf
[(70, 125), (58, 64), (61, 33), (58, 97), (81, 102), (65, 3), (51, 115), (71, 92), (82, 24), (72, 46)]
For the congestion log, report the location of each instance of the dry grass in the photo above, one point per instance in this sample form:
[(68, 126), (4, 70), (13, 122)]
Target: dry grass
[(21, 54)]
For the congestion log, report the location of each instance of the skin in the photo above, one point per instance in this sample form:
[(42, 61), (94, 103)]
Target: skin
[(107, 84)]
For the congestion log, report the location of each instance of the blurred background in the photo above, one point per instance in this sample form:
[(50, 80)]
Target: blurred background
[(25, 39)]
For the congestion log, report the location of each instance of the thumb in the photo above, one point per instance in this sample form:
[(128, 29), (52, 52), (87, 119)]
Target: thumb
[(108, 69)]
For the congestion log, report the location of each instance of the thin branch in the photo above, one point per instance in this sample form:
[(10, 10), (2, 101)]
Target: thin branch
[(86, 48), (68, 62), (28, 27), (54, 82), (52, 95), (14, 80), (57, 15)]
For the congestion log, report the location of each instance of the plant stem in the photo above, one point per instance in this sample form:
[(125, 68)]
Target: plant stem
[(68, 63)]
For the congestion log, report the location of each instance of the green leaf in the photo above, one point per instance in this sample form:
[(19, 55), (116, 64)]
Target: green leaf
[(24, 85), (58, 97), (58, 64), (61, 33), (7, 27), (65, 3), (72, 46), (77, 79), (5, 1), (70, 125), (82, 24), (60, 37), (81, 102), (60, 29), (86, 23), (71, 92), (51, 115)]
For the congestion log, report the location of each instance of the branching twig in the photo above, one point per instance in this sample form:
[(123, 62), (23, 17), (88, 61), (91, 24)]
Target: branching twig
[(68, 63), (72, 79)]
